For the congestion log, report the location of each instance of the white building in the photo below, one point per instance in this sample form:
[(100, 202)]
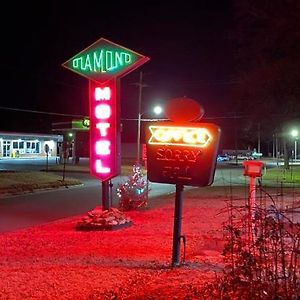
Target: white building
[(22, 145)]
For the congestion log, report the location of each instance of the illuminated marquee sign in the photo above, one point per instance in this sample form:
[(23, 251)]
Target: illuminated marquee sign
[(179, 136), (182, 154), (104, 134), (104, 60)]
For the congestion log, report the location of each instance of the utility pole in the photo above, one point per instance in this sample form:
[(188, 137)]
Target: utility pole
[(258, 137), (141, 86), (235, 139)]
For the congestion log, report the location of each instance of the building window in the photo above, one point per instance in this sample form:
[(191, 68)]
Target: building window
[(33, 147), (18, 147)]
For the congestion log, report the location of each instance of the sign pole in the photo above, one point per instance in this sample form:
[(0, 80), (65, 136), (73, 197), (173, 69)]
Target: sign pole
[(177, 225), (105, 195), (252, 192)]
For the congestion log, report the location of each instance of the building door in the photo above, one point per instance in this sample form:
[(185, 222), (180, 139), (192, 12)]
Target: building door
[(6, 148)]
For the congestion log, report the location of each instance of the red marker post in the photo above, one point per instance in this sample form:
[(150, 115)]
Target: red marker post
[(252, 169)]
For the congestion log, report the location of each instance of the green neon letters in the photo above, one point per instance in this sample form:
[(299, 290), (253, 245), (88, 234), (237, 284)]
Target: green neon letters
[(102, 60)]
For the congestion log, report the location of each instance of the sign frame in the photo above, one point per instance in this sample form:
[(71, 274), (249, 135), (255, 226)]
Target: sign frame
[(174, 162)]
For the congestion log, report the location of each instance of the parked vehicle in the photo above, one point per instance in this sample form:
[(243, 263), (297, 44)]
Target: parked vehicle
[(244, 157), (223, 157), (256, 155)]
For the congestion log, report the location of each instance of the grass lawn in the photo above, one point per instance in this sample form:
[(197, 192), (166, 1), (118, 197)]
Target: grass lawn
[(125, 169), (14, 182), (282, 175)]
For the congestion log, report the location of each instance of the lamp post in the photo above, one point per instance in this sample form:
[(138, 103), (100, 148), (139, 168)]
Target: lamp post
[(157, 110), (294, 134), (141, 86), (139, 137)]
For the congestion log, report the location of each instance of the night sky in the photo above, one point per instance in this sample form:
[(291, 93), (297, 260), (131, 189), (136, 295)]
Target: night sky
[(186, 41)]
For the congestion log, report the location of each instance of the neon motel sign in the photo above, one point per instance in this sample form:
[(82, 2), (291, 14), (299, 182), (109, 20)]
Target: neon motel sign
[(103, 131)]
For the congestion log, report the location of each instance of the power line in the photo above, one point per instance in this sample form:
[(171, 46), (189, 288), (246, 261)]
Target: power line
[(41, 112), (135, 119)]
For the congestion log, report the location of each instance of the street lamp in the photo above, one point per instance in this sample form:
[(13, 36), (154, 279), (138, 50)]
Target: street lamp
[(294, 134), (157, 110)]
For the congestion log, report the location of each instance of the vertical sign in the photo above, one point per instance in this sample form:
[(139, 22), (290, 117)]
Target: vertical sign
[(104, 156)]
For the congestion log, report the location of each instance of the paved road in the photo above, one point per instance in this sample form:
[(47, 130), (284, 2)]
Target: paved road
[(21, 211)]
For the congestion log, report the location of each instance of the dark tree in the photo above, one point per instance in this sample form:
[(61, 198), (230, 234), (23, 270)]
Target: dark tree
[(267, 38)]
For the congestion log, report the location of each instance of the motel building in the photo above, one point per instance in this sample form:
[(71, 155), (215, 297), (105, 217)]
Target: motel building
[(28, 145)]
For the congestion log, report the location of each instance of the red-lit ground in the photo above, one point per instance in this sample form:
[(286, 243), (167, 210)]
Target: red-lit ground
[(54, 261)]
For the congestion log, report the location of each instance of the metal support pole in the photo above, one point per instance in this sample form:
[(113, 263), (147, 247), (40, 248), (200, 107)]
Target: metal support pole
[(74, 149), (258, 138), (110, 193), (276, 149), (47, 161), (139, 119), (235, 139), (252, 192), (252, 195), (177, 225), (273, 146), (105, 195)]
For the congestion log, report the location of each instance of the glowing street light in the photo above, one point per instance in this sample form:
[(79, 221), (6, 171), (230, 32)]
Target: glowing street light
[(157, 110), (294, 133)]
